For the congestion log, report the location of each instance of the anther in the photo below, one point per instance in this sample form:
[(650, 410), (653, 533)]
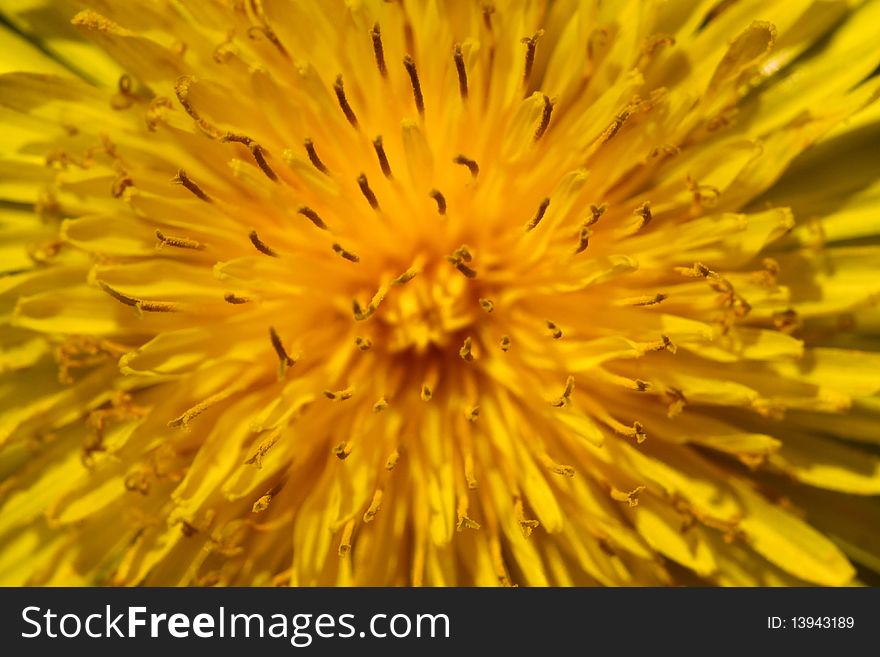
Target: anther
[(426, 393), (178, 242), (545, 118), (367, 192), (410, 66), (596, 211), (440, 199), (260, 245), (312, 216), (643, 211), (487, 304), (472, 166), (380, 405), (531, 44), (473, 413), (505, 343), (462, 73), (283, 357), (342, 450), (378, 51), (542, 209), (313, 157), (343, 102), (555, 331), (363, 344), (259, 155), (347, 255), (339, 395), (465, 351), (677, 401), (234, 299), (565, 399), (383, 158), (182, 179)]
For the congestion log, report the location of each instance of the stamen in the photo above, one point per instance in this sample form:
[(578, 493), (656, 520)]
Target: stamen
[(542, 209), (256, 459), (374, 507), (487, 304), (488, 10), (192, 413), (556, 468), (636, 431), (663, 344), (465, 351), (261, 504), (643, 211), (347, 255), (631, 497), (383, 159), (786, 321), (699, 270), (283, 357), (469, 474), (179, 242), (531, 44), (545, 118), (458, 258), (313, 157), (441, 201), (378, 51), (473, 413), (404, 278), (367, 192), (472, 166), (157, 306), (392, 459), (342, 450), (343, 102), (260, 245), (426, 392), (363, 344), (339, 395), (505, 343), (596, 211), (238, 139), (410, 66), (139, 304), (128, 301), (565, 399), (462, 73), (676, 402), (181, 90), (345, 541), (234, 299), (525, 524), (258, 153), (380, 405), (463, 520), (555, 331), (182, 179), (648, 300), (312, 216)]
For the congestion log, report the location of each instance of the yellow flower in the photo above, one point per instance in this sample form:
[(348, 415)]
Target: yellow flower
[(441, 293)]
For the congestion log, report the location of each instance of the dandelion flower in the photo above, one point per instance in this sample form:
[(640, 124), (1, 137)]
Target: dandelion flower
[(440, 293)]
